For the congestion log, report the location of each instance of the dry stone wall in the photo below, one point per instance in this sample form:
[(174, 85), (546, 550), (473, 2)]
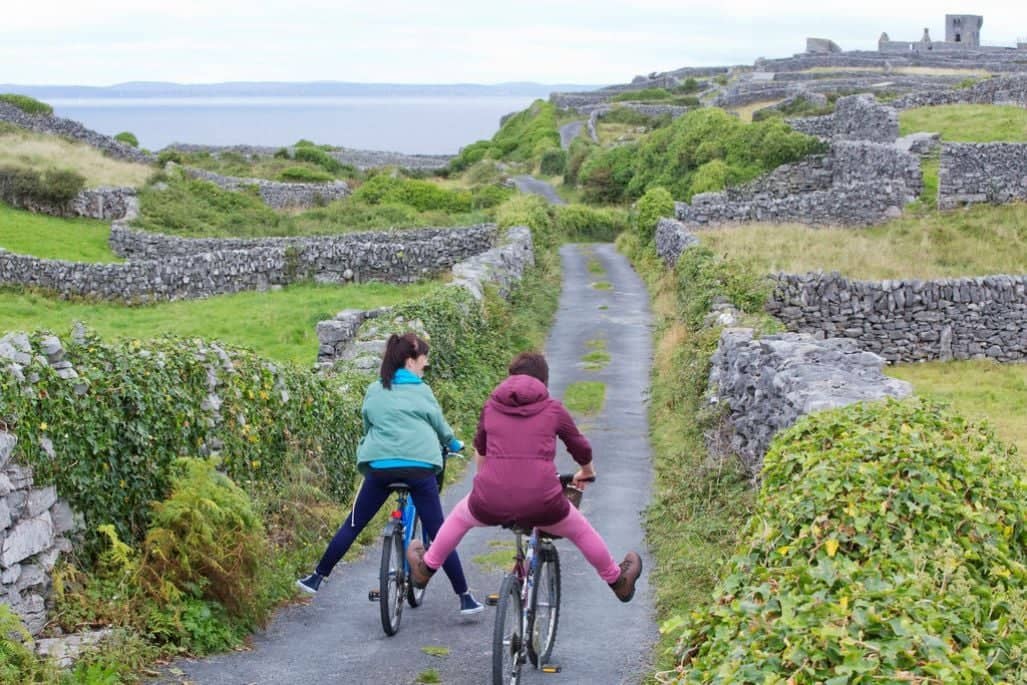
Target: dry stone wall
[(357, 337), (35, 526), (981, 172), (105, 203), (856, 184), (276, 194), (195, 275), (132, 244), (1006, 90), (66, 128), (768, 383), (910, 320), (856, 117), (360, 159)]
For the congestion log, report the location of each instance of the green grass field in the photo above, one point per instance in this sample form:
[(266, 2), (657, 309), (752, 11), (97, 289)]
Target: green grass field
[(978, 241), (976, 389), (968, 123), (279, 324), (74, 240)]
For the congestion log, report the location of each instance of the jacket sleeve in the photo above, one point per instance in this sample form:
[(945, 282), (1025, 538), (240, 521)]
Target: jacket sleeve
[(480, 436), (437, 420), (577, 444)]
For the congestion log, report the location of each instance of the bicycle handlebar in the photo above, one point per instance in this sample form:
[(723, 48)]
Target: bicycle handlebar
[(568, 478)]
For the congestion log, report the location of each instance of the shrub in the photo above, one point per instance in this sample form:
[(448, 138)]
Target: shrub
[(486, 197), (318, 157), (26, 104), (606, 173), (651, 207), (888, 544), (586, 224), (553, 163), (26, 187), (302, 174), (207, 541), (632, 117), (579, 151), (165, 156), (523, 137), (196, 207), (127, 138), (384, 188), (282, 153), (671, 156)]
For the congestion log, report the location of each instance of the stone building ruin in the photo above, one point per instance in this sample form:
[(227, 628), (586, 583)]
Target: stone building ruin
[(964, 29)]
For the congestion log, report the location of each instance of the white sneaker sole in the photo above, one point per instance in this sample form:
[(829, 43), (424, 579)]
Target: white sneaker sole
[(309, 591), (472, 612)]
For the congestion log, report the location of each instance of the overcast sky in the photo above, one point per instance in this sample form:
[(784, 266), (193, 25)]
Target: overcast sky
[(102, 42)]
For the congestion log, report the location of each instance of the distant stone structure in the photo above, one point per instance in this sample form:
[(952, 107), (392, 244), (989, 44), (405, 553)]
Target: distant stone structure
[(964, 29), (821, 46)]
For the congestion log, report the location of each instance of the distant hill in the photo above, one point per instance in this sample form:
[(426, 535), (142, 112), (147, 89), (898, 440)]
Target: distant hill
[(144, 89)]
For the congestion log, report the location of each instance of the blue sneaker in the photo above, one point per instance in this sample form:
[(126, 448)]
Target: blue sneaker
[(311, 583), (469, 606)]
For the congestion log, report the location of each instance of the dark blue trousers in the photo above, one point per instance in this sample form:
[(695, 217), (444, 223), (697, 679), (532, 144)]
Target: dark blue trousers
[(373, 494)]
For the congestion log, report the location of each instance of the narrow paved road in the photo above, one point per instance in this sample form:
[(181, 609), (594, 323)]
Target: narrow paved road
[(337, 637), (532, 186), (568, 132)]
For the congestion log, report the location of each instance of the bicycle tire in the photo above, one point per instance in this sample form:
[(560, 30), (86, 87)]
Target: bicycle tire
[(545, 607), (415, 596), (507, 642), (392, 582)]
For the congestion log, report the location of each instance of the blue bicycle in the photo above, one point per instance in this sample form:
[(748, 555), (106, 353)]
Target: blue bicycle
[(394, 586)]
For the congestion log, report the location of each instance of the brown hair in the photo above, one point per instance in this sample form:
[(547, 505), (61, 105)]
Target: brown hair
[(398, 349), (530, 364)]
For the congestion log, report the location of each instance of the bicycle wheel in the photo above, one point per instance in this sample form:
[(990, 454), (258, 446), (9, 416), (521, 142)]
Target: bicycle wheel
[(507, 642), (414, 595), (392, 582), (545, 606)]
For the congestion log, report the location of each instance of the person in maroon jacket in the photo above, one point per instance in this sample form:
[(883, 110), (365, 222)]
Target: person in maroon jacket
[(516, 482)]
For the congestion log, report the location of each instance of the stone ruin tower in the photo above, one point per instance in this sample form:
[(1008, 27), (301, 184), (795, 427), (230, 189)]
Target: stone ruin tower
[(964, 29)]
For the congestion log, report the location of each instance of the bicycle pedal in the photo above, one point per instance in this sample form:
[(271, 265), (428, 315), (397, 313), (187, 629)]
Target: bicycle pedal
[(374, 596), (492, 600), (550, 668)]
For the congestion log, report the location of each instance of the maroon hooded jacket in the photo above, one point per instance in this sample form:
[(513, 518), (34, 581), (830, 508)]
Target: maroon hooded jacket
[(517, 431)]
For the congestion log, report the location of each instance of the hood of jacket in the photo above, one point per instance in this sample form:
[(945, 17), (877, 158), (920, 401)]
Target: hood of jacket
[(520, 395)]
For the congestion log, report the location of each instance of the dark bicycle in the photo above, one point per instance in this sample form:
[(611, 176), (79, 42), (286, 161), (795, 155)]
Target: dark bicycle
[(394, 584), (528, 603)]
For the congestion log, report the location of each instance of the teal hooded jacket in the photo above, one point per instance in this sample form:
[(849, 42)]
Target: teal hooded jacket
[(404, 424)]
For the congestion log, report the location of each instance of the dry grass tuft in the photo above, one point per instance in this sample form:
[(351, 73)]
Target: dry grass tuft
[(25, 149)]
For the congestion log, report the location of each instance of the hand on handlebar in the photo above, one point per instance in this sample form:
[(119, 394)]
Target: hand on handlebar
[(455, 445), (586, 474)]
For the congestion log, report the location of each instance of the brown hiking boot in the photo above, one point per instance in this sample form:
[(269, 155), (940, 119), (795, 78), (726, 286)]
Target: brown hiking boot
[(630, 570), (420, 573)]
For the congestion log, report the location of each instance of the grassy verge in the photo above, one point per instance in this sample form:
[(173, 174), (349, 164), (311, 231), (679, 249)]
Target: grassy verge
[(279, 325), (24, 149), (968, 123), (976, 389), (700, 501), (73, 240), (978, 241)]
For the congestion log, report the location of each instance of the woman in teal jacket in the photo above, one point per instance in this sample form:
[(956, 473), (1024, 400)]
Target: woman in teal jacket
[(403, 431)]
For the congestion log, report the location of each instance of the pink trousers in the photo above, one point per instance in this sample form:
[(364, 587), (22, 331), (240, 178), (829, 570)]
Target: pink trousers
[(575, 527)]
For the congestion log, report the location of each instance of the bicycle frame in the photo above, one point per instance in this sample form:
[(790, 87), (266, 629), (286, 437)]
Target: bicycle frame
[(403, 514)]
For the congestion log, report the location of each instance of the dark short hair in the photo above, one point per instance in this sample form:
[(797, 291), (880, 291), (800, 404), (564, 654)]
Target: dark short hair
[(530, 364), (398, 349)]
